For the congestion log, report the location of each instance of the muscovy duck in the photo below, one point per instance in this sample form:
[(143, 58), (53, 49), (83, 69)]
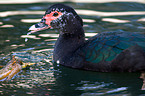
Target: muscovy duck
[(105, 52)]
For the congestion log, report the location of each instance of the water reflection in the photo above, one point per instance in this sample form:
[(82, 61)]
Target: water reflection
[(75, 1), (142, 76), (6, 26), (13, 13), (47, 78), (98, 13), (30, 20), (80, 12), (113, 20), (96, 84)]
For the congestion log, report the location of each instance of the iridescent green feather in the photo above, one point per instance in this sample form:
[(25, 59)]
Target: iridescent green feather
[(106, 46)]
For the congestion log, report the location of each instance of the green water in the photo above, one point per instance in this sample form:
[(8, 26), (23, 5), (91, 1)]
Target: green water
[(48, 79)]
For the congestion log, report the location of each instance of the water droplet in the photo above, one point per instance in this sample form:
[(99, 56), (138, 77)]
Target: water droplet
[(26, 39), (57, 62), (61, 9)]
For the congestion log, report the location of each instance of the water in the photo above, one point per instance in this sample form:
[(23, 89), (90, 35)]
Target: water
[(47, 78)]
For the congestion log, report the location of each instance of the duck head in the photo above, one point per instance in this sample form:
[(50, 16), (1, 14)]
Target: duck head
[(58, 16)]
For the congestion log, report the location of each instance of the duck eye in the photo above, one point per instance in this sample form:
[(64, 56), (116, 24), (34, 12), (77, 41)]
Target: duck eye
[(55, 14)]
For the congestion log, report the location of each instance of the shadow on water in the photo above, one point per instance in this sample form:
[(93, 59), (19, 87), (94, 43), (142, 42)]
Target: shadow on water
[(46, 78)]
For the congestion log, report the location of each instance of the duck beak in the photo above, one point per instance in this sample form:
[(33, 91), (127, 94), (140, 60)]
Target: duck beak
[(38, 27)]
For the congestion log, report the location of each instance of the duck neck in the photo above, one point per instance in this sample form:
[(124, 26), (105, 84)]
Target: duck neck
[(67, 43)]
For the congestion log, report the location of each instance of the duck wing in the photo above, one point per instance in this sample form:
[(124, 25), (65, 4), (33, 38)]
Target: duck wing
[(106, 46)]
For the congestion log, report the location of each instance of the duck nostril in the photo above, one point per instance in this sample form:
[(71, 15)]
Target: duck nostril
[(37, 25), (43, 20)]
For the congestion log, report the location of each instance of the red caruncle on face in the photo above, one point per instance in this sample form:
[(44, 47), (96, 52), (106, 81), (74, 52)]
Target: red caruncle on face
[(52, 16)]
